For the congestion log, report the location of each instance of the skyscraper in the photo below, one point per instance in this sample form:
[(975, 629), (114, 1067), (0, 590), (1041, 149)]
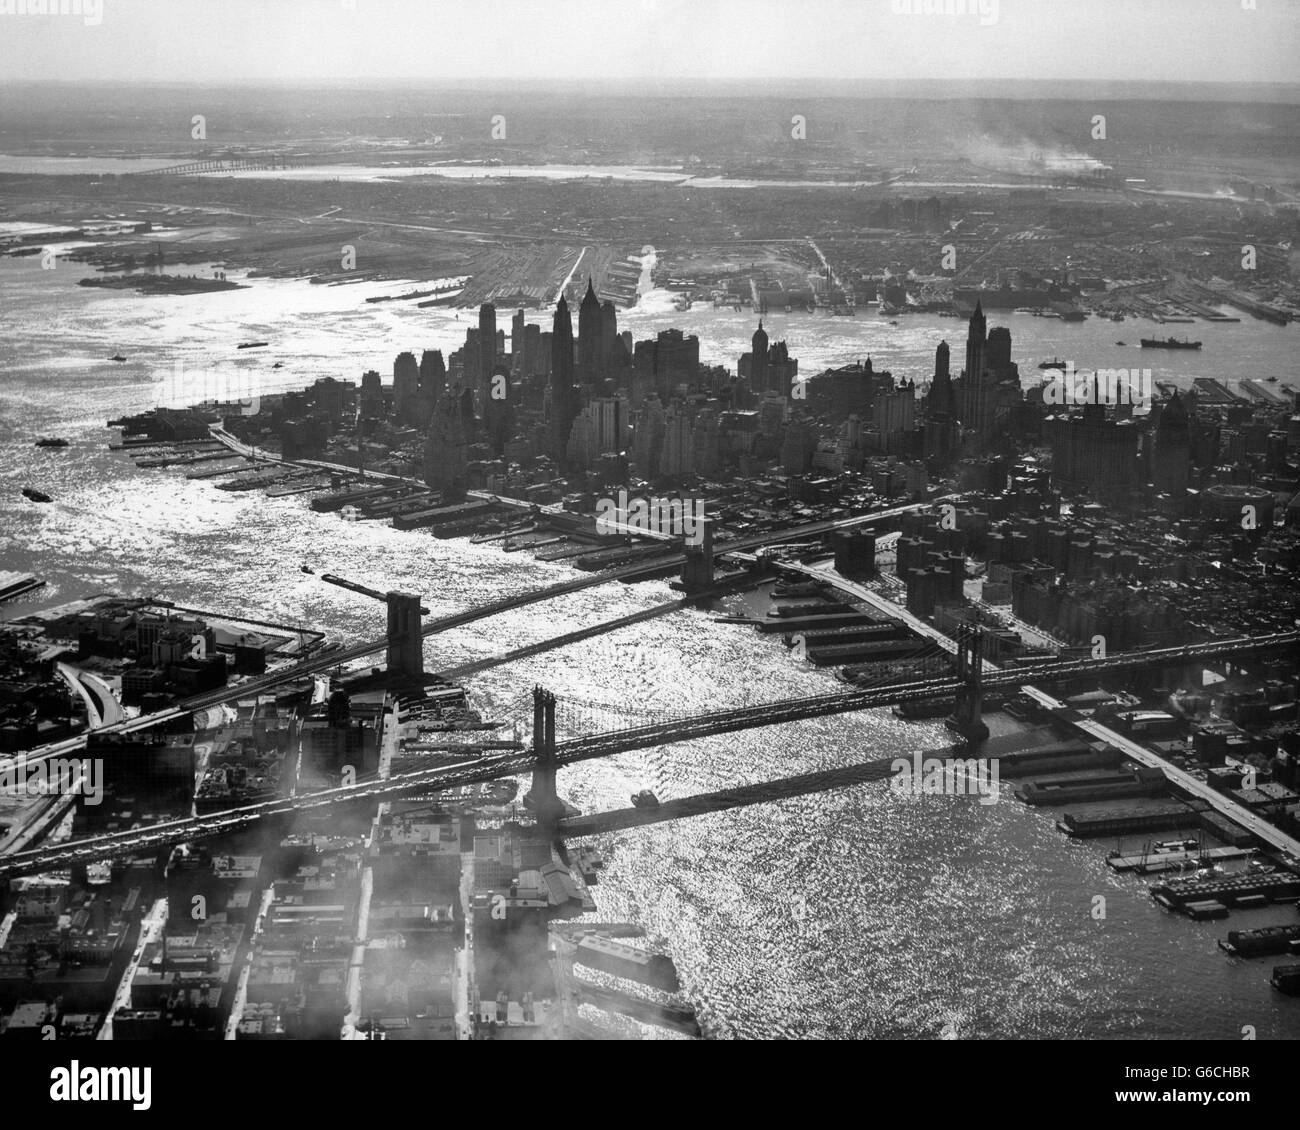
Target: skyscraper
[(609, 343), (406, 387), (517, 333), (589, 322), (433, 374), (940, 402), (677, 457), (758, 360), (372, 394), (444, 450), (978, 407), (564, 397), (997, 352), (1171, 472), (976, 340), (487, 343), (609, 415)]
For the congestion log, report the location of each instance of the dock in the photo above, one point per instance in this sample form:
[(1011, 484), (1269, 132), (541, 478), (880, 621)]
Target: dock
[(638, 1008), (14, 585), (1148, 862)]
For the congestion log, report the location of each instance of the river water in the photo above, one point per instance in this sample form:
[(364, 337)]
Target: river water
[(852, 913)]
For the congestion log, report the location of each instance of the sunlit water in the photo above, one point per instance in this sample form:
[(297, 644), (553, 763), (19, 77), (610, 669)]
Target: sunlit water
[(849, 913)]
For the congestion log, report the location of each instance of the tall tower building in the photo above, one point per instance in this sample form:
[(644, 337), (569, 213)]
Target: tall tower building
[(609, 342), (758, 361), (517, 333), (677, 457), (433, 374), (609, 416), (564, 397), (406, 387), (648, 438), (997, 352), (444, 450), (978, 401), (487, 342), (589, 320), (1171, 472), (976, 339), (940, 402), (372, 395)]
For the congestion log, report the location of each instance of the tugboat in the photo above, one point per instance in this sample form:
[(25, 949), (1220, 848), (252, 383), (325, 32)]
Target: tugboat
[(51, 441), (117, 357), (1054, 363), (36, 495), (645, 799)]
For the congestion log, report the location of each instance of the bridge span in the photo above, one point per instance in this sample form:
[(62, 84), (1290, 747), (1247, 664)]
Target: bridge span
[(158, 836)]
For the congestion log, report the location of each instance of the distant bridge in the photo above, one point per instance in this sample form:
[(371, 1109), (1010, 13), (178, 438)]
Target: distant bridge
[(218, 165)]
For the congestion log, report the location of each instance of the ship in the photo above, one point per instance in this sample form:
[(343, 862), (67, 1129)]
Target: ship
[(1175, 845), (307, 569), (117, 357), (1169, 343), (51, 441), (252, 345), (36, 495), (1054, 363)]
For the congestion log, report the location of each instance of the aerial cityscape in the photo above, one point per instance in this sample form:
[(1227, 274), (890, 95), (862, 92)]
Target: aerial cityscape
[(648, 521)]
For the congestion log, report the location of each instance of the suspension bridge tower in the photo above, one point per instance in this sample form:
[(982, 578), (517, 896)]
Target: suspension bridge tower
[(541, 798), (697, 569), (405, 640), (965, 718)]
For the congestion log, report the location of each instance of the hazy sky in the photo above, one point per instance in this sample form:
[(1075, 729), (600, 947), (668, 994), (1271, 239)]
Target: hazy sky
[(338, 40)]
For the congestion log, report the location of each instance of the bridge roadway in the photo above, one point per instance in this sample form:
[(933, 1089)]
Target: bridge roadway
[(1194, 786), (861, 593), (607, 744)]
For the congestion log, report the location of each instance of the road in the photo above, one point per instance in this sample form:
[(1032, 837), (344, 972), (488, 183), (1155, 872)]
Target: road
[(1194, 786), (861, 592), (1229, 808)]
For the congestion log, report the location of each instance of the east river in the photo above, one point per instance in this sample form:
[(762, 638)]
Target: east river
[(852, 913)]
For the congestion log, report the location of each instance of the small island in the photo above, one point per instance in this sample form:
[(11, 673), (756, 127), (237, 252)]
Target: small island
[(162, 284)]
